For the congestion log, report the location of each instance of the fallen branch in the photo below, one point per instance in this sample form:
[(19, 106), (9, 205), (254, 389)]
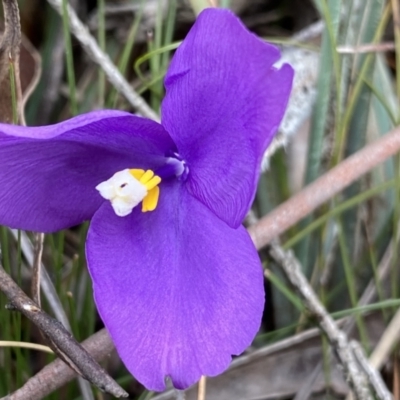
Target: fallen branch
[(324, 188), (62, 341)]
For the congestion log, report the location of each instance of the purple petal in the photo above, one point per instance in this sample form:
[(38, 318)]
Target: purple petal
[(48, 174), (177, 288), (224, 102)]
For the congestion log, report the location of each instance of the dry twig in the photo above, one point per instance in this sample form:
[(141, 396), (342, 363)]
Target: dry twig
[(368, 297), (337, 338), (366, 48), (90, 45), (63, 343), (324, 188), (373, 375)]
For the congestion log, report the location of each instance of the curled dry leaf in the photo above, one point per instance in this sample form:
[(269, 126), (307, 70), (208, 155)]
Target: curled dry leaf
[(29, 67), (305, 63), (9, 64)]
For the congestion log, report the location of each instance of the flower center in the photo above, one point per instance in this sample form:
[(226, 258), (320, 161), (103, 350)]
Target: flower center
[(127, 188), (175, 167)]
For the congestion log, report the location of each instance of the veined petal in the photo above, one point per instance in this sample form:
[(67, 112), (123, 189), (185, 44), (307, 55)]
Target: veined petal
[(224, 102), (49, 174), (178, 289)]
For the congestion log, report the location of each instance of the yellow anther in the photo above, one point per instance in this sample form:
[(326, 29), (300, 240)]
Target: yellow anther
[(146, 176), (151, 182), (149, 203), (137, 173)]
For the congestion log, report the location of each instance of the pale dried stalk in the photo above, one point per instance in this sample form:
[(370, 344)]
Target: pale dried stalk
[(389, 338), (366, 48), (336, 337), (201, 394), (49, 291), (36, 268), (359, 371), (26, 345), (324, 188)]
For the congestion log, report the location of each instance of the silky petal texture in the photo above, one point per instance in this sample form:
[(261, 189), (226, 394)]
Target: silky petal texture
[(48, 174), (178, 289), (224, 102)]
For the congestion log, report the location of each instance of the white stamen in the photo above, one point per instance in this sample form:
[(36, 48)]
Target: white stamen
[(124, 191)]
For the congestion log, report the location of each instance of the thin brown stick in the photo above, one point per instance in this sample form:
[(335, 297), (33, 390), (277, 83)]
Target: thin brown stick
[(324, 188), (65, 345)]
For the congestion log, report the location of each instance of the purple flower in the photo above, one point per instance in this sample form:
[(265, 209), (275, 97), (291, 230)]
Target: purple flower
[(177, 280)]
